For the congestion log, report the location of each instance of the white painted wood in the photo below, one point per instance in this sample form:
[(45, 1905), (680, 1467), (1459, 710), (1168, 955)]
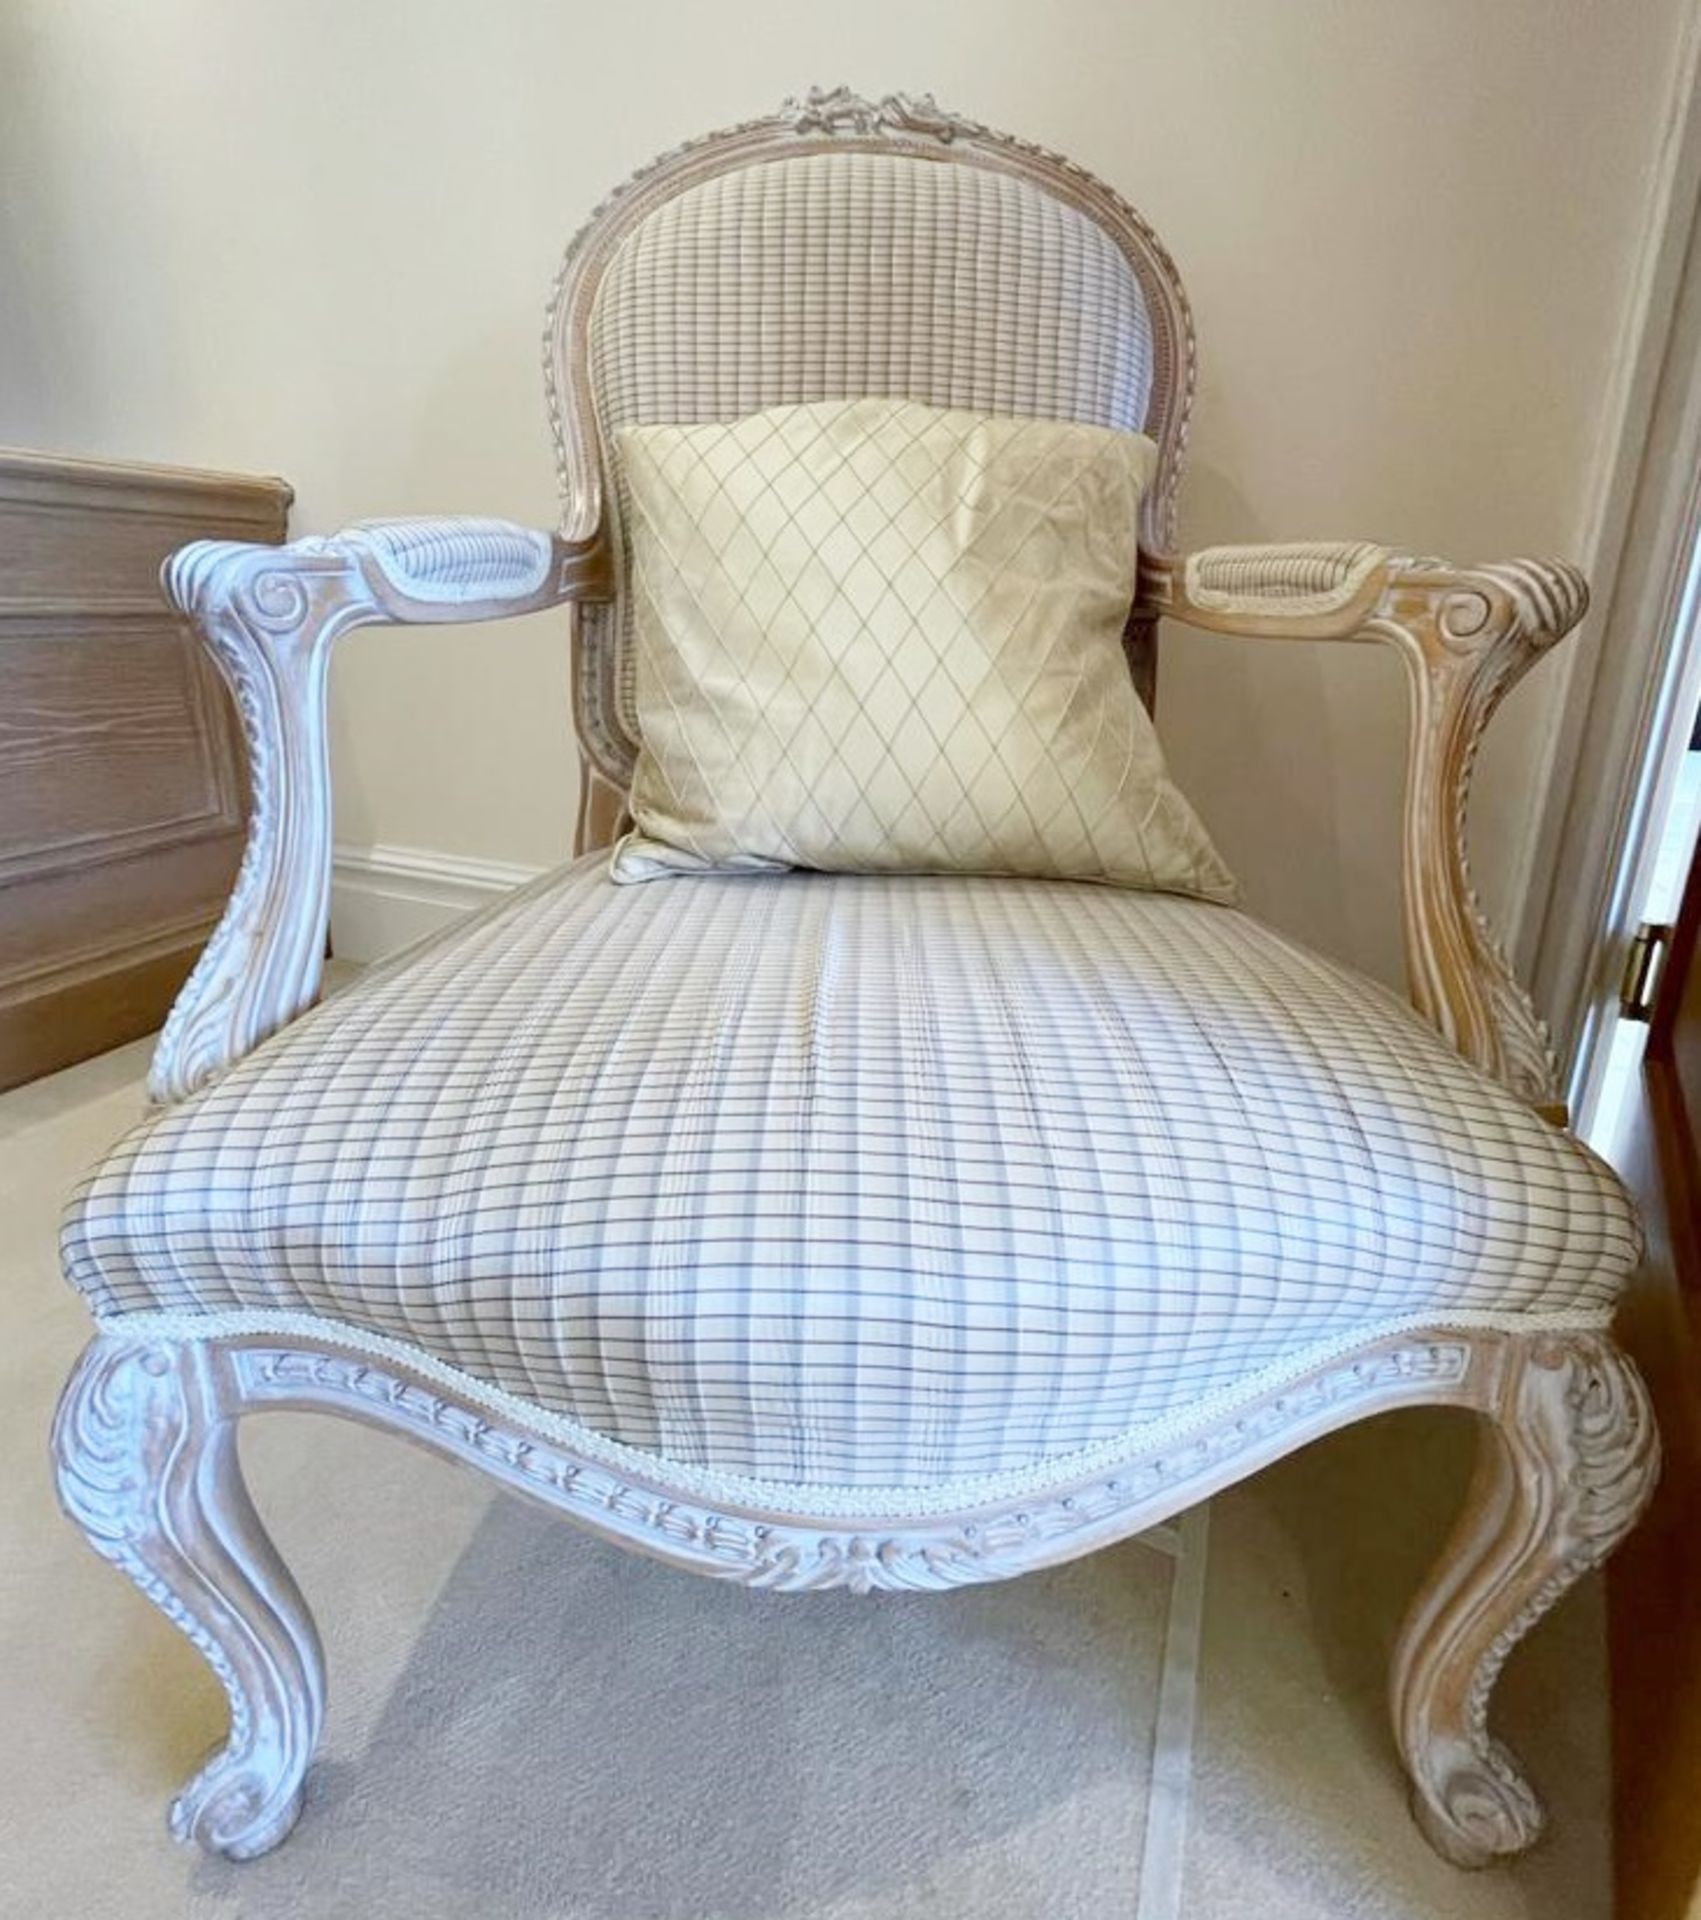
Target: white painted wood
[(1163, 1859), (148, 1469), (146, 1461), (1568, 1461), (270, 616), (1466, 636)]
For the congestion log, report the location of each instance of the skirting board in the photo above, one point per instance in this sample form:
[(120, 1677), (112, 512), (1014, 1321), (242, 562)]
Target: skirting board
[(385, 898)]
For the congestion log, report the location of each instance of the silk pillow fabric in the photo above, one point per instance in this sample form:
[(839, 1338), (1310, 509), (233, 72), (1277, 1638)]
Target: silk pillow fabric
[(877, 636)]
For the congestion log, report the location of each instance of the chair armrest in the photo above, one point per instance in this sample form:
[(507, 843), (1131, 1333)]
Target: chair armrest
[(269, 616), (1467, 635)]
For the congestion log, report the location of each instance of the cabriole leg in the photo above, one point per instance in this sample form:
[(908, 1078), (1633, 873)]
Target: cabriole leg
[(1568, 1458), (145, 1452)]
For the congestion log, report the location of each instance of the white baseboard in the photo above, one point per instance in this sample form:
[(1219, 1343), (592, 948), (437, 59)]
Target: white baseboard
[(384, 898)]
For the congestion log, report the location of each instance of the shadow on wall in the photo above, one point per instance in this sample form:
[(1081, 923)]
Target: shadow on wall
[(60, 358), (35, 342), (1267, 736), (497, 696)]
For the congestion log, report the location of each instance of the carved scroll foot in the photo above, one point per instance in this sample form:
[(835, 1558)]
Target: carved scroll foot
[(1569, 1455), (147, 1467)]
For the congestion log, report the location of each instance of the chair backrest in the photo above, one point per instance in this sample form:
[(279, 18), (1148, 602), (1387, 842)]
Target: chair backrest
[(841, 248)]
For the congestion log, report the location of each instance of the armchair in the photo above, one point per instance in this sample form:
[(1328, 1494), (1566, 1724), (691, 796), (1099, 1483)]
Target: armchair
[(641, 1317)]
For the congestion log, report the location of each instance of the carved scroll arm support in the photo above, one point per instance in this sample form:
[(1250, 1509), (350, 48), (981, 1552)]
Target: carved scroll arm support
[(269, 616), (1466, 635)]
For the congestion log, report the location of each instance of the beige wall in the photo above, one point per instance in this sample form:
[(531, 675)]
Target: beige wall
[(314, 238)]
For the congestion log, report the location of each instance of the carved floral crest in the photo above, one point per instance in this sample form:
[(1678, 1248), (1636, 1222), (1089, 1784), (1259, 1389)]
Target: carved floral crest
[(839, 110)]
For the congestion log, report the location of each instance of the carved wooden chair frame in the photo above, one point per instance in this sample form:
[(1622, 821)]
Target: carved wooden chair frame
[(145, 1440)]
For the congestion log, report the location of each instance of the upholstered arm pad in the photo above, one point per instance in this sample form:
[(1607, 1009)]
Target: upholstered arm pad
[(1466, 634), (1304, 579), (269, 616), (411, 571)]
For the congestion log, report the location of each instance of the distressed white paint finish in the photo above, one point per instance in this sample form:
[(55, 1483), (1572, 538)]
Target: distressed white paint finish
[(147, 1466), (1163, 1858), (270, 616), (147, 1462), (1466, 635), (1563, 1474)]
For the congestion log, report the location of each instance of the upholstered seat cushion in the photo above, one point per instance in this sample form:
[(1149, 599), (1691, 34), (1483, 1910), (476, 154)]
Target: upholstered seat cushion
[(855, 1180)]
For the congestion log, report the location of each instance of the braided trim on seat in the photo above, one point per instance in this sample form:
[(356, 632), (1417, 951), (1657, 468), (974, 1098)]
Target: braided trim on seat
[(1302, 576), (1168, 1435)]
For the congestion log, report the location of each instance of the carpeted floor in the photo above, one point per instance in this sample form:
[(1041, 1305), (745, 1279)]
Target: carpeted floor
[(526, 1723)]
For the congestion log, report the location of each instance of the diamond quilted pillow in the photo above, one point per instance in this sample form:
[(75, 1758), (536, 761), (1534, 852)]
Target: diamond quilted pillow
[(876, 636)]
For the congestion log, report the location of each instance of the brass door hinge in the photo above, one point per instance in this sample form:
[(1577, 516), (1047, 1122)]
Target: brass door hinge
[(1643, 966)]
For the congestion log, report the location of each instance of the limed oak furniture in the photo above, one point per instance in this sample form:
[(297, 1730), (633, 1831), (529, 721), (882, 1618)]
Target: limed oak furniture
[(862, 1230), (121, 784)]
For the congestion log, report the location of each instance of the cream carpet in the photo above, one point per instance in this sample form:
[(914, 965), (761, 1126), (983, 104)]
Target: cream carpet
[(526, 1723)]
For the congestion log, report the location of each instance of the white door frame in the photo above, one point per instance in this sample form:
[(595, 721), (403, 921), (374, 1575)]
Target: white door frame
[(1641, 532)]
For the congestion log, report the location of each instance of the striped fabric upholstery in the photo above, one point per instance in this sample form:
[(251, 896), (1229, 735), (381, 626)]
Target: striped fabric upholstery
[(453, 558), (839, 275), (1300, 576), (856, 1180)]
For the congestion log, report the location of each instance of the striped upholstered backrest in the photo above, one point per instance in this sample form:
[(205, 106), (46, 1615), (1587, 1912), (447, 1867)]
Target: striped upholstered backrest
[(843, 249)]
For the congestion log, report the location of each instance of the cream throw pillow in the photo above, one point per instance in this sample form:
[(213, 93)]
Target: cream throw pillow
[(876, 636)]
